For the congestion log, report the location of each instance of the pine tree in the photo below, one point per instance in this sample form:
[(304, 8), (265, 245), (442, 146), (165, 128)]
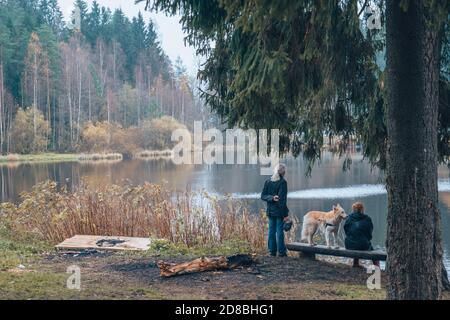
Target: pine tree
[(34, 65), (121, 29), (51, 15), (93, 28), (106, 31), (50, 70), (308, 68)]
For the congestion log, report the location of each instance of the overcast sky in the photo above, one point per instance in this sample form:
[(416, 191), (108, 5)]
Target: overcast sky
[(169, 28)]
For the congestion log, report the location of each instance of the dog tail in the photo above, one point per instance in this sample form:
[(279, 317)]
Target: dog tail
[(304, 237)]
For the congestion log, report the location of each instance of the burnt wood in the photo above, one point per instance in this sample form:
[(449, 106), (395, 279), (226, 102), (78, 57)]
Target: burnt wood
[(205, 264)]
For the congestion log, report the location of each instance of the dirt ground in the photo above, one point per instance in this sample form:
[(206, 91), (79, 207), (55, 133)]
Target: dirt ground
[(135, 276), (131, 276)]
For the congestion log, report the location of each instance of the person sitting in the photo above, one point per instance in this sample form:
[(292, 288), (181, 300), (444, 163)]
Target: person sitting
[(358, 231)]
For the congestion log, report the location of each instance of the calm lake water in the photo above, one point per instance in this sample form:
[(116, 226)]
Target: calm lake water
[(328, 185)]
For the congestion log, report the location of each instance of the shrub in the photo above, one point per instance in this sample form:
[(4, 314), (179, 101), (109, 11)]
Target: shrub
[(156, 134), (29, 132), (13, 157), (102, 137), (123, 140), (95, 137), (153, 134)]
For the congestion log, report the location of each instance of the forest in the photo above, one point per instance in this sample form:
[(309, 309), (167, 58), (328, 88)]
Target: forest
[(93, 88)]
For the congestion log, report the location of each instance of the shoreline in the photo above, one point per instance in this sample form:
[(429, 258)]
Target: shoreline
[(50, 157), (42, 157)]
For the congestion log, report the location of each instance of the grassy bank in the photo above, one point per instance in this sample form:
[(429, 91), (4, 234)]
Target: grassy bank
[(59, 157), (83, 157), (43, 157)]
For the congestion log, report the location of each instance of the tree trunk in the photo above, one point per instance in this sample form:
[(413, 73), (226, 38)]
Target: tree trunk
[(173, 99), (139, 90), (414, 226), (90, 101), (79, 99), (69, 101), (35, 76), (2, 102), (49, 116)]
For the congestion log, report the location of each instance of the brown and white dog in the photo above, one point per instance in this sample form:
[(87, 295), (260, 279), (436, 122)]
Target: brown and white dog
[(327, 222)]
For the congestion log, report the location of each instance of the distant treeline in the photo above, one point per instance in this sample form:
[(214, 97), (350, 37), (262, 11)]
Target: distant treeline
[(63, 79)]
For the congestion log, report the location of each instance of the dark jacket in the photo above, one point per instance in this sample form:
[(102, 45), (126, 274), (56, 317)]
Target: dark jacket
[(358, 232), (272, 188)]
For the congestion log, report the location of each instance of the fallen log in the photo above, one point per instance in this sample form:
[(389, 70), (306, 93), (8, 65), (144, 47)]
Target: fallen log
[(205, 264)]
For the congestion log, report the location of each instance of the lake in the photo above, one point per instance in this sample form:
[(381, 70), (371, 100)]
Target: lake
[(328, 184)]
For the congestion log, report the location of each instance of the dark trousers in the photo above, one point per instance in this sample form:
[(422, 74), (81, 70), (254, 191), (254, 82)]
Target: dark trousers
[(276, 236)]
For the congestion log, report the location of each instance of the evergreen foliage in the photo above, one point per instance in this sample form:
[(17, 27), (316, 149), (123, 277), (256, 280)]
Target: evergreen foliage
[(78, 76), (311, 69)]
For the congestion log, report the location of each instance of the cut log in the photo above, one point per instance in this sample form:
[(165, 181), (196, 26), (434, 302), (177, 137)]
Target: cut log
[(205, 264)]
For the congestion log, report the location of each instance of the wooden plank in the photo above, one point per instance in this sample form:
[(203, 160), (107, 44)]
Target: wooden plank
[(83, 242), (341, 252)]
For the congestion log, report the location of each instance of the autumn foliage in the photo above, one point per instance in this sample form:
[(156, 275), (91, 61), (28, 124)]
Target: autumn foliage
[(30, 131), (150, 135)]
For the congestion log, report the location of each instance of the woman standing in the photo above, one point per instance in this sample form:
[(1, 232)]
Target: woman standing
[(275, 195)]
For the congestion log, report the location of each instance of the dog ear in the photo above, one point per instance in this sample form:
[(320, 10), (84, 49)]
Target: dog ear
[(334, 207)]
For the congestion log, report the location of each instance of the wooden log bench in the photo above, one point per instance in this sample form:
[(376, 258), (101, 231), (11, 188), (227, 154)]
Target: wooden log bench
[(311, 251)]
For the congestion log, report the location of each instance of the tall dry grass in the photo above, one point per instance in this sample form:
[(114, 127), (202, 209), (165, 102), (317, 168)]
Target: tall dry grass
[(144, 154), (99, 156), (149, 210)]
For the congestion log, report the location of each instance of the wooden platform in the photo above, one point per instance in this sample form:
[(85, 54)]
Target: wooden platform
[(84, 242), (341, 252)]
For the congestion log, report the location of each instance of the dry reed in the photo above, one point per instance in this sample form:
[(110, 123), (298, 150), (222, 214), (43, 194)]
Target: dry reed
[(153, 154), (148, 210), (100, 156)]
